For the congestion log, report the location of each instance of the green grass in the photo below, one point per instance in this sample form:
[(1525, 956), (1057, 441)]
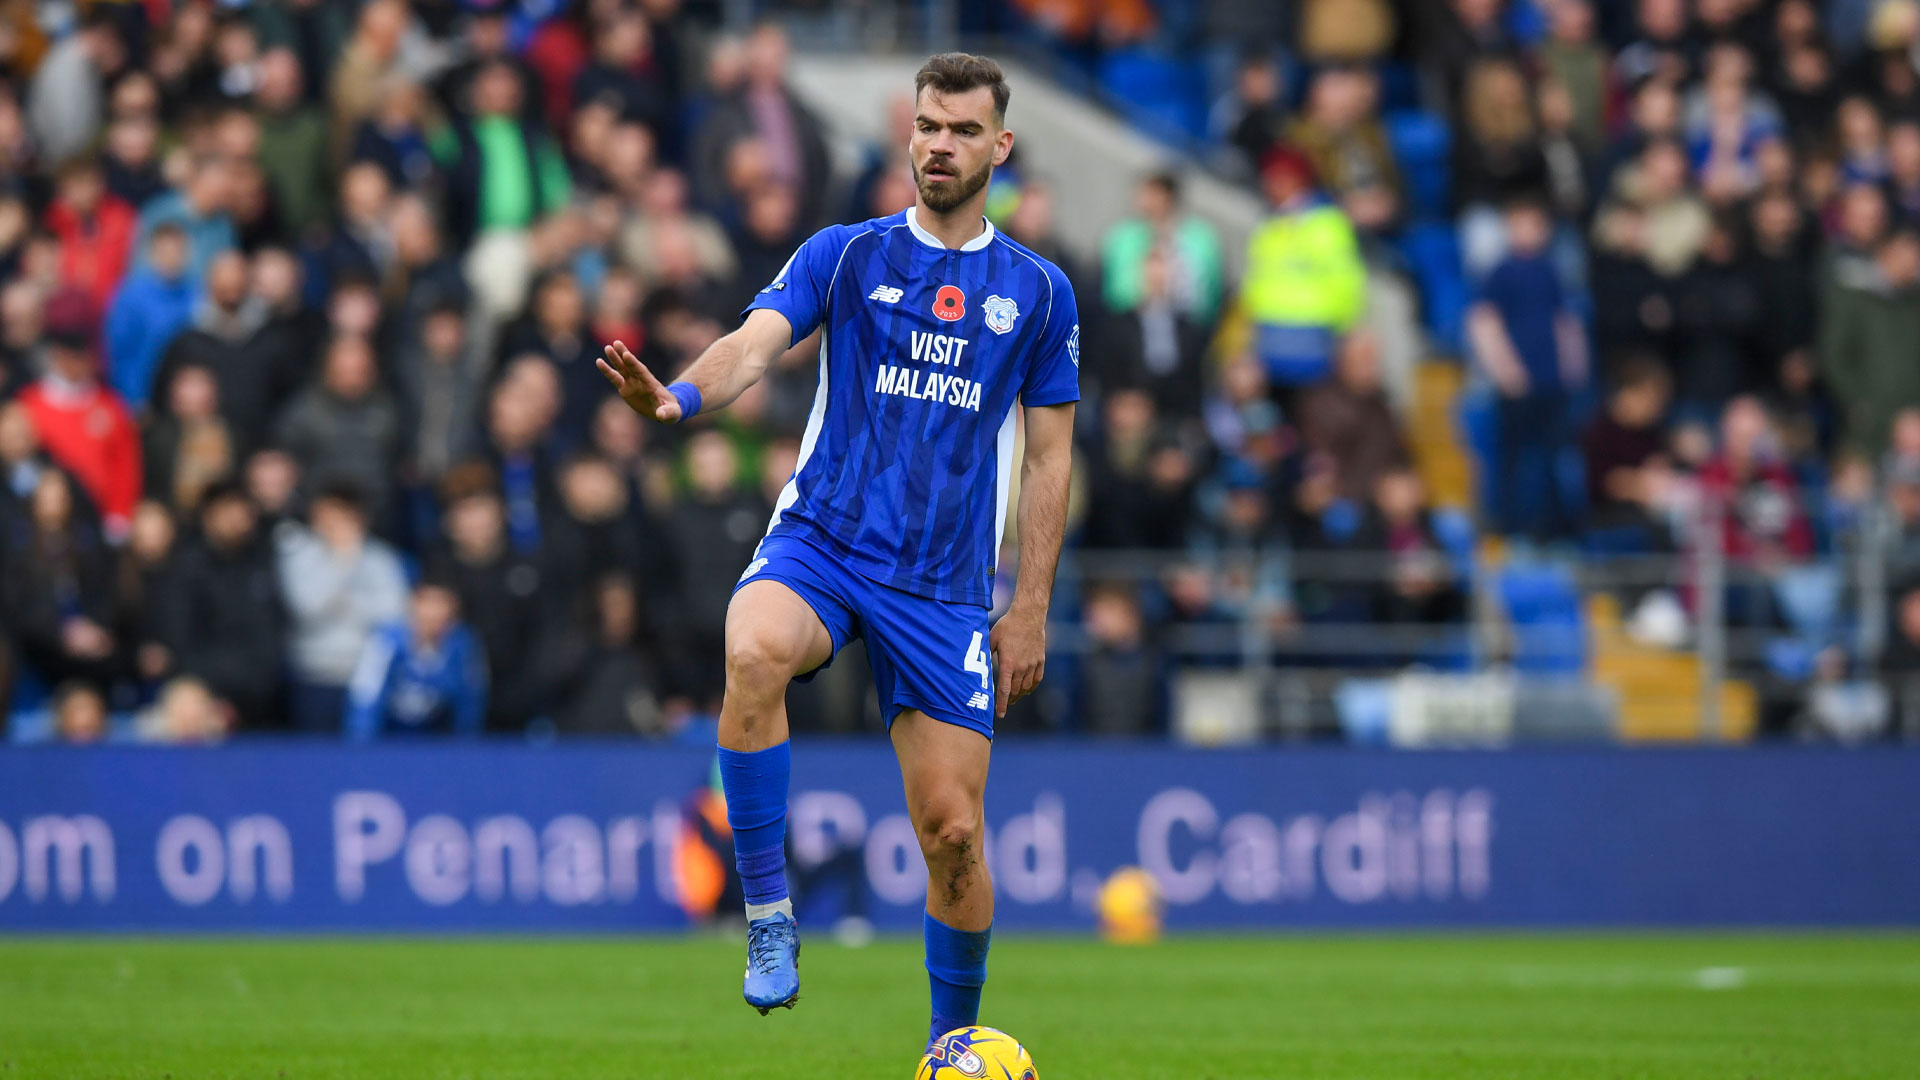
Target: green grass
[(1606, 1007)]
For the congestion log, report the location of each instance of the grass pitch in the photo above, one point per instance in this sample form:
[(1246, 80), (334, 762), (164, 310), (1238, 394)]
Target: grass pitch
[(1698, 1007)]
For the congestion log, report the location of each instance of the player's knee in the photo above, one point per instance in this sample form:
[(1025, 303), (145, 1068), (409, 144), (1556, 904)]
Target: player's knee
[(950, 833), (759, 663)]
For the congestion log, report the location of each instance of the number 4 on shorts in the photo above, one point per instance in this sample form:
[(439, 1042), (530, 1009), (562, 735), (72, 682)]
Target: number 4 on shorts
[(977, 661)]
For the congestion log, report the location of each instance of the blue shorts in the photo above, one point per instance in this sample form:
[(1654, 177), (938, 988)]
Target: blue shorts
[(930, 655)]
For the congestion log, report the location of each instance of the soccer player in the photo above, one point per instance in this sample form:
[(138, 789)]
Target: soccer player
[(934, 328)]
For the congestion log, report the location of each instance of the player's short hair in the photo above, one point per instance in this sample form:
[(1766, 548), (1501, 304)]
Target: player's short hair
[(958, 72)]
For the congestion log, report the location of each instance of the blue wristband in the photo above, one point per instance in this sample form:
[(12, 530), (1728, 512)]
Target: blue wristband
[(688, 395)]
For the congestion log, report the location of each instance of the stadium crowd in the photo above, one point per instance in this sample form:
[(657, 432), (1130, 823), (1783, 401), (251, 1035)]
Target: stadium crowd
[(299, 305)]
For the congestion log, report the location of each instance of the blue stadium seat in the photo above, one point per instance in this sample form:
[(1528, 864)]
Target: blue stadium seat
[(1526, 22), (1432, 251), (1164, 92), (1454, 529), (1365, 707), (1423, 145), (1479, 423), (1543, 604)]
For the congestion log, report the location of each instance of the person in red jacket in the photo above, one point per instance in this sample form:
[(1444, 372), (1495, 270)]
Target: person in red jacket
[(95, 230), (83, 424)]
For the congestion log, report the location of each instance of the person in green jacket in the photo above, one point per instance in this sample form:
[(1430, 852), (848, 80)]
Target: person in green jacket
[(1305, 284), (1191, 244), (1870, 340)]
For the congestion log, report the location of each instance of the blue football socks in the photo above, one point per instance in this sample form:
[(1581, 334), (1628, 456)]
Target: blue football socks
[(756, 787), (956, 970)]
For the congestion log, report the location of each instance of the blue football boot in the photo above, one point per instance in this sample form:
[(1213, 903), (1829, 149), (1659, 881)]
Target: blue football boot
[(773, 963)]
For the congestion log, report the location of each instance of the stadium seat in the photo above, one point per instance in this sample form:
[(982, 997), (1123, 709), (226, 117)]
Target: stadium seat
[(1479, 418), (1543, 606), (1423, 145), (1454, 529), (1163, 93), (1365, 709), (1432, 251)]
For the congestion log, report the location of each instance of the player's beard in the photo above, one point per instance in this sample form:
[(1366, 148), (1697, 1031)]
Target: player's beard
[(941, 198)]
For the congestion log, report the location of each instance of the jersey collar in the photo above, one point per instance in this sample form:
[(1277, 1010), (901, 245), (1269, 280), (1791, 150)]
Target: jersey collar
[(932, 241)]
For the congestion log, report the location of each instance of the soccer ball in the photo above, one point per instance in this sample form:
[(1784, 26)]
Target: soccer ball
[(971, 1053)]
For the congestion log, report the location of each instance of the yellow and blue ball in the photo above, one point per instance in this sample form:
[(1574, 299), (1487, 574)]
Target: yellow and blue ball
[(973, 1053)]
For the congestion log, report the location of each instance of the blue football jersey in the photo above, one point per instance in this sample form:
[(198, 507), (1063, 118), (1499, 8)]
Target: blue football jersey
[(924, 352)]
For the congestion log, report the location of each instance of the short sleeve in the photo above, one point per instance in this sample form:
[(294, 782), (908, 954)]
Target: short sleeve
[(1054, 376), (800, 290)]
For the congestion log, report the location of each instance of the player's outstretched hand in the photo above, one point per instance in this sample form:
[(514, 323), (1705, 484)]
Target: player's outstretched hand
[(1019, 655), (637, 386)]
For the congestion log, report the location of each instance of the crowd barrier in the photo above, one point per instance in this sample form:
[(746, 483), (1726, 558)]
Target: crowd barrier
[(478, 837)]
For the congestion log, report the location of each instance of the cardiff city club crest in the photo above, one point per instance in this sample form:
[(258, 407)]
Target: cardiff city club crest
[(1000, 313)]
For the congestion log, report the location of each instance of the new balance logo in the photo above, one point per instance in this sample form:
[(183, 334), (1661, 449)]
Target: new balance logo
[(979, 701), (886, 294)]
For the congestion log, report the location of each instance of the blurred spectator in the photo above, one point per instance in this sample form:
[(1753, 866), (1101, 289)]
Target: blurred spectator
[(621, 74), (1341, 135), (229, 339), (394, 137), (225, 624), (152, 306), (603, 681), (766, 109), (339, 585), (1417, 583), (1190, 245), (664, 207), (95, 231), (442, 379), (1139, 479), (1752, 494), (358, 246), (421, 276), (1347, 419), (1305, 284), (65, 96), (130, 158), (1870, 335), (519, 413), (79, 714), (1625, 455), (1576, 61), (1123, 689), (185, 713), (367, 65), (1654, 215), (714, 533), (1532, 347), (346, 428), (1158, 348), (188, 447), (1453, 36), (1497, 156), (596, 530), (84, 425), (501, 175), (1346, 31), (1719, 323), (1250, 119), (293, 142), (145, 589), (768, 236), (57, 586), (555, 328), (200, 208), (426, 675), (501, 592)]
